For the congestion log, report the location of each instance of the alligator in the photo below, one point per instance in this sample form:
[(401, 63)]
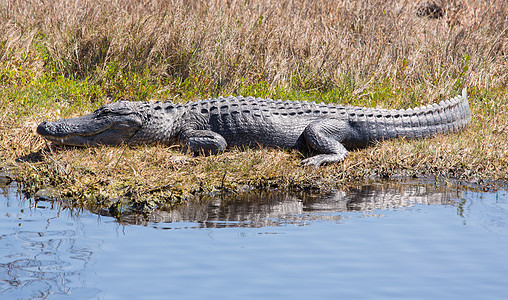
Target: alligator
[(323, 132)]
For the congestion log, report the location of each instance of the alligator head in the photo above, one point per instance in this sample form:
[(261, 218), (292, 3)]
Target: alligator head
[(111, 124)]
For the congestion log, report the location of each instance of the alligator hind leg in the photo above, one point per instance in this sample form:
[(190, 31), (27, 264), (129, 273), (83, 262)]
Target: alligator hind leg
[(325, 137)]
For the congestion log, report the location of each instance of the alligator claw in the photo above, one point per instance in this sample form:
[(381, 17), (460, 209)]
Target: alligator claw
[(322, 159)]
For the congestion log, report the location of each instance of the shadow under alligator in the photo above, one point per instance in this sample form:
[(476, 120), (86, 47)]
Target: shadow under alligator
[(259, 209)]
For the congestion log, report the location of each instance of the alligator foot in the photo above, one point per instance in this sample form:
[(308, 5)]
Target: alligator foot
[(325, 137)]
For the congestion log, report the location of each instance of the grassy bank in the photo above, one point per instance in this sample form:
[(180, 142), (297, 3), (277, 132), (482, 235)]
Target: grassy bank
[(61, 59)]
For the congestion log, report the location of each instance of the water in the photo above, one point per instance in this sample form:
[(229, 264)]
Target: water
[(405, 241)]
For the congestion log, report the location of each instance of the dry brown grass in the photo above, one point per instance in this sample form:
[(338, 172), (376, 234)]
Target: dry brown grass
[(303, 44)]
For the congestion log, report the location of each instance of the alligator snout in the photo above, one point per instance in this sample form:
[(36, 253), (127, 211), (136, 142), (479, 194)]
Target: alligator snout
[(42, 129), (50, 130)]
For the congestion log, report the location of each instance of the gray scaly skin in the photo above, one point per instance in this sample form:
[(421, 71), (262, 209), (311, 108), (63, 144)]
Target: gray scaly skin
[(212, 125)]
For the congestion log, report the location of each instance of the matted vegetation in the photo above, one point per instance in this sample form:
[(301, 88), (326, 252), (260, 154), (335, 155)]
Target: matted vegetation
[(62, 59)]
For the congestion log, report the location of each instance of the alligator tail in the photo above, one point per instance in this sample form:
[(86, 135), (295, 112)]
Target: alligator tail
[(446, 117)]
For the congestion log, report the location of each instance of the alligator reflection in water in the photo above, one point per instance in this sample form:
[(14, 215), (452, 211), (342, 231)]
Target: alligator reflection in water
[(274, 209)]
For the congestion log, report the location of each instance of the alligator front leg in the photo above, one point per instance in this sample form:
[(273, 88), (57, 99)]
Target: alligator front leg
[(205, 141), (325, 137)]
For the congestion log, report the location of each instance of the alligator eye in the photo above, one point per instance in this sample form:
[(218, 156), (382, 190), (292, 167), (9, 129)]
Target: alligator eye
[(103, 110)]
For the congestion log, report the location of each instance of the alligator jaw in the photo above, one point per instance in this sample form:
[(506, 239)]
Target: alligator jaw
[(72, 139)]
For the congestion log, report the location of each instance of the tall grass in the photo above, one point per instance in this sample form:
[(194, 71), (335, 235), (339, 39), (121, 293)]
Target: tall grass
[(219, 46)]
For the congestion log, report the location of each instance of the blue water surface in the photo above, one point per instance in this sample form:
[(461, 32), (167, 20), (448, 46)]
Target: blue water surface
[(456, 249)]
